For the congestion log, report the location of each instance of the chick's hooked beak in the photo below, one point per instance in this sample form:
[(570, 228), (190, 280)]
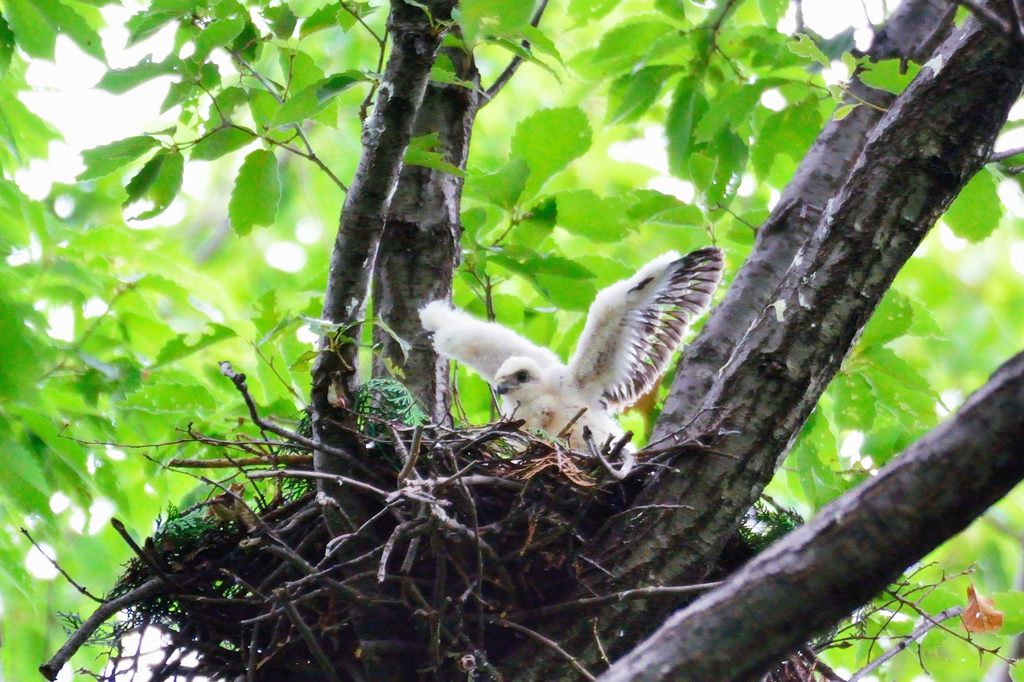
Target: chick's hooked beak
[(505, 386)]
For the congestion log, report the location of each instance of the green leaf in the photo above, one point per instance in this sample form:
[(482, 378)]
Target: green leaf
[(311, 100), (178, 93), (324, 17), (977, 210), (257, 192), (853, 402), (891, 320), (632, 95), (480, 18), (805, 46), (587, 11), (886, 75), (422, 151), (68, 22), (894, 367), (728, 111), (1012, 606), (104, 160), (650, 206), (548, 140), (19, 363), (160, 185), (181, 346), (626, 45), (688, 106), (218, 34), (281, 19), (33, 32), (7, 44), (119, 81), (501, 188), (598, 219), (220, 142), (772, 11)]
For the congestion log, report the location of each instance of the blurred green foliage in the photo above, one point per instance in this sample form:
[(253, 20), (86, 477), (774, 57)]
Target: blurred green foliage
[(634, 127)]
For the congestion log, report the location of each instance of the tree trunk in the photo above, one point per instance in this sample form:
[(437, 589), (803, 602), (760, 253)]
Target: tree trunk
[(419, 250)]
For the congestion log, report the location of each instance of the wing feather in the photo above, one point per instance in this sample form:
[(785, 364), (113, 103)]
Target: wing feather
[(634, 326), (483, 346)]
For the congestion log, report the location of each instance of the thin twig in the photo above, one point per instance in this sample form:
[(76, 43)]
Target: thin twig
[(917, 633), (285, 460), (625, 595), (310, 639), (533, 634), (61, 570), (506, 75)]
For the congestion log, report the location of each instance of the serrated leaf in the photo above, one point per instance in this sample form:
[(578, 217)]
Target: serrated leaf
[(548, 140), (688, 106), (182, 346), (891, 320), (632, 95), (886, 75), (178, 93), (501, 188), (422, 152), (165, 186), (257, 192), (103, 160), (598, 219), (119, 81), (853, 402), (282, 20), (312, 99), (220, 142), (322, 18), (805, 46), (843, 111), (480, 18), (977, 210), (772, 11), (32, 31), (218, 34), (586, 11), (728, 111), (7, 43)]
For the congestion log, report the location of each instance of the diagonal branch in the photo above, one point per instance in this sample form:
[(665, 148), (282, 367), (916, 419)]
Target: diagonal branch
[(796, 587), (911, 33)]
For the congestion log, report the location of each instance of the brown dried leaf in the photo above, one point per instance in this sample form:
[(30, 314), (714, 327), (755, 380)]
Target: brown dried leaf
[(980, 614)]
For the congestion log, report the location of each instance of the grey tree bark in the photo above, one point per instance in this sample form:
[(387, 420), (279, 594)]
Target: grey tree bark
[(850, 551), (419, 250)]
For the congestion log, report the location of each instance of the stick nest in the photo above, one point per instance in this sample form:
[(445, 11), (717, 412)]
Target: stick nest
[(448, 539)]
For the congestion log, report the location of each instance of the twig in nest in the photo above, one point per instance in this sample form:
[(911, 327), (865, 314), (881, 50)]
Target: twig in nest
[(310, 639), (414, 453), (567, 429), (550, 643), (239, 381), (628, 460), (286, 460)]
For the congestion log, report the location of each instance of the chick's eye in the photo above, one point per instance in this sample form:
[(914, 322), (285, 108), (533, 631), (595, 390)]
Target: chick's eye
[(522, 376)]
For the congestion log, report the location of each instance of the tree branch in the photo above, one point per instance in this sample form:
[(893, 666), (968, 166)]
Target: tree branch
[(797, 587), (911, 33)]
